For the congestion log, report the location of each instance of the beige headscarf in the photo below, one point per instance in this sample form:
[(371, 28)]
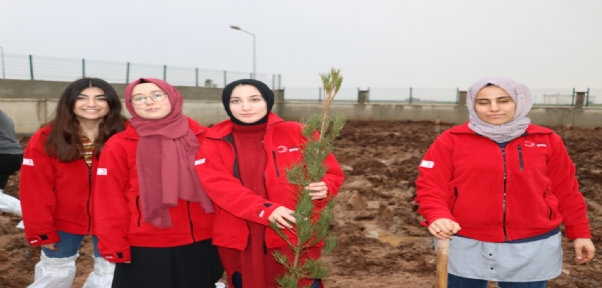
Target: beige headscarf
[(513, 128)]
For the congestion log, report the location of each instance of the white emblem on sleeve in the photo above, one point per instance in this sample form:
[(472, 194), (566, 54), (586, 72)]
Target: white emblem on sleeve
[(101, 171), (199, 162), (427, 164), (27, 161)]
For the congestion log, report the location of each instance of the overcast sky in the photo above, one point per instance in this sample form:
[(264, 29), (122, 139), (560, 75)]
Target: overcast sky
[(376, 43)]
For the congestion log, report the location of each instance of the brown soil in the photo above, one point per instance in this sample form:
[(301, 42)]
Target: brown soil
[(381, 243)]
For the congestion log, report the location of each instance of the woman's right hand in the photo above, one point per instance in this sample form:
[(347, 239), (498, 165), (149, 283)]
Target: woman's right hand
[(50, 246), (444, 228), (280, 217)]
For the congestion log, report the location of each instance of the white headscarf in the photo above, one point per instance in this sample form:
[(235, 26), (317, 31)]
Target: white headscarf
[(513, 128)]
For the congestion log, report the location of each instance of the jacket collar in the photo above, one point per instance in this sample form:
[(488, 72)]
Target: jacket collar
[(225, 128), (531, 129), (197, 129)]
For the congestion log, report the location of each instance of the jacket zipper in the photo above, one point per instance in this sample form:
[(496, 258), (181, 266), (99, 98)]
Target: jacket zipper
[(190, 221), (138, 208), (89, 196), (504, 203), (545, 194), (275, 164), (455, 200), (520, 157)]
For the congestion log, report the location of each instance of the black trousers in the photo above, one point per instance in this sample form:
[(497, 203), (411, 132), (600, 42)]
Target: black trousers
[(9, 163), (196, 265)]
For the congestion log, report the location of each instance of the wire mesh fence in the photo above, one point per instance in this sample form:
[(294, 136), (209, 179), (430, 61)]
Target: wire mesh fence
[(29, 67)]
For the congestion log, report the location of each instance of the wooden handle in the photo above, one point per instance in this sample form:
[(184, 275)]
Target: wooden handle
[(442, 260)]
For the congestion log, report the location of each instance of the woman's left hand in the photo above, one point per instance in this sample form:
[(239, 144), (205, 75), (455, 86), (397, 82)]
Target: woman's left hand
[(320, 190), (584, 250)]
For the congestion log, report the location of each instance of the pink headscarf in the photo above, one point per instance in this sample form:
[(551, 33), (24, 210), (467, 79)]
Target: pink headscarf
[(165, 159), (513, 128)]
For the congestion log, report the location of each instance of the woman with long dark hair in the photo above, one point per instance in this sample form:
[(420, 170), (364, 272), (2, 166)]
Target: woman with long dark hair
[(57, 180)]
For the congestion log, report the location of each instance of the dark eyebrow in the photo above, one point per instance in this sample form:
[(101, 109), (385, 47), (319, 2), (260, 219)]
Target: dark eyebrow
[(138, 94), (82, 94), (500, 97)]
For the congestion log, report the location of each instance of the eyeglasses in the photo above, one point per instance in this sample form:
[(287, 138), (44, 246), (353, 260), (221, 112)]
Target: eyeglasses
[(156, 96)]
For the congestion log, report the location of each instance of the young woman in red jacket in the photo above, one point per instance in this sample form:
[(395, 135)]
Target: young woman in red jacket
[(499, 187), (244, 174), (56, 181), (153, 218)]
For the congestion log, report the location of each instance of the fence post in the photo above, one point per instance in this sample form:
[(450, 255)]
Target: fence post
[(368, 96), (164, 72), (319, 94), (410, 102), (197, 76), (273, 81), (573, 100), (31, 67), (457, 95), (83, 68), (225, 79), (279, 81), (127, 74), (587, 98)]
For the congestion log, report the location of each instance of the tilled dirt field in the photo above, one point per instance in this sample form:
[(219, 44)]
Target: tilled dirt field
[(381, 243)]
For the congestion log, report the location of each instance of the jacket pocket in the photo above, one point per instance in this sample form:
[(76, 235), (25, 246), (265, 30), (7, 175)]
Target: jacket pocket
[(520, 158), (275, 164), (545, 194), (138, 208), (455, 200)]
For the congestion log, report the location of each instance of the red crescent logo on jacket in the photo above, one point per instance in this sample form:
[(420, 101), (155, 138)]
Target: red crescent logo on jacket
[(427, 164), (529, 144), (101, 171), (282, 149), (27, 161)]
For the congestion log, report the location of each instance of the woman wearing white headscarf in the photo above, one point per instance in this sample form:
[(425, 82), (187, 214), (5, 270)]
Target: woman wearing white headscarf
[(500, 187)]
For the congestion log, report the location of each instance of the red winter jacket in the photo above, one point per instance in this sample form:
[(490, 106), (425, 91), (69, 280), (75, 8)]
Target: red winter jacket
[(54, 195), (236, 204), (496, 195), (119, 223)]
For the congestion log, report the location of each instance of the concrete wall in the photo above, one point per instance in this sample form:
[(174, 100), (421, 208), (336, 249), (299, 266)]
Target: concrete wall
[(32, 103)]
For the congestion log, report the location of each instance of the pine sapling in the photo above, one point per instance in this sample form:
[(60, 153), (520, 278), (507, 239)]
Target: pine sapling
[(312, 226)]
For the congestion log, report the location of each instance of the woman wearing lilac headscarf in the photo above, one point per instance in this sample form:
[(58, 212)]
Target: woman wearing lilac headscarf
[(500, 187)]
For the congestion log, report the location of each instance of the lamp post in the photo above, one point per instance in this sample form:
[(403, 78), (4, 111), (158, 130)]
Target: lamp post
[(238, 28), (2, 62)]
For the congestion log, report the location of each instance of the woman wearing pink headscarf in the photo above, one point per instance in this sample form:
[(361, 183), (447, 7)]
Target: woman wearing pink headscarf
[(153, 218), (499, 188)]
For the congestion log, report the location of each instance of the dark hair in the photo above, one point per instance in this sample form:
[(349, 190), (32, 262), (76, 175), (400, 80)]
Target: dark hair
[(63, 140)]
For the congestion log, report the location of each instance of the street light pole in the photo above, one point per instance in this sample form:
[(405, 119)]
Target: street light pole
[(2, 62), (238, 28)]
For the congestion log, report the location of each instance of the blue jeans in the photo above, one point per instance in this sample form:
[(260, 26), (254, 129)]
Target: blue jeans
[(69, 245), (454, 281)]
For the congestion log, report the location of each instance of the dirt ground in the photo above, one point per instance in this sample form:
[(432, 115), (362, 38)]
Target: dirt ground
[(381, 243)]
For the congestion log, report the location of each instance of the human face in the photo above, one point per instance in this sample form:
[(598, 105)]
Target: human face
[(247, 105), (494, 106), (151, 109), (91, 105)]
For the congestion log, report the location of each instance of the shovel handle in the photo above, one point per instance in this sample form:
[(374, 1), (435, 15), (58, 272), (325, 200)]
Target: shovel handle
[(442, 260)]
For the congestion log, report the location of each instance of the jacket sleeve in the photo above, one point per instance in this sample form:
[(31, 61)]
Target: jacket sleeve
[(565, 187), (435, 173), (110, 207), (226, 191), (38, 198)]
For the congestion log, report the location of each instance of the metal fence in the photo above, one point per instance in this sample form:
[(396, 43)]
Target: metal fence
[(29, 67)]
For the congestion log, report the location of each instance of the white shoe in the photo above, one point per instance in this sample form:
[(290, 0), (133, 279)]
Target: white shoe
[(102, 276), (54, 272)]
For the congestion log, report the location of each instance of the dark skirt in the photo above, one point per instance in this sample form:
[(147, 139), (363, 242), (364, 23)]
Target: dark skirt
[(194, 265)]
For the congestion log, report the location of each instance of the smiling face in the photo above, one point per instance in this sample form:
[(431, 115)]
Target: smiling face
[(151, 109), (91, 105), (494, 106), (247, 105)]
